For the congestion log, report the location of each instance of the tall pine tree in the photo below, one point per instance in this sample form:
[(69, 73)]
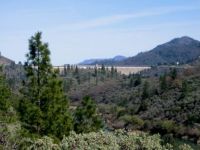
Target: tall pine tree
[(44, 107)]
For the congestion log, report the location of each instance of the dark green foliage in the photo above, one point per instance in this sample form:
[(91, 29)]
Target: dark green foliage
[(86, 118), (163, 82), (131, 84), (135, 80), (112, 71), (173, 74), (138, 80), (96, 74), (44, 107), (184, 89), (145, 92), (65, 70), (76, 71), (103, 69), (5, 93)]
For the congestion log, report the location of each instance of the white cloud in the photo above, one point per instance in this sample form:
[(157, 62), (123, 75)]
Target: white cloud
[(109, 20)]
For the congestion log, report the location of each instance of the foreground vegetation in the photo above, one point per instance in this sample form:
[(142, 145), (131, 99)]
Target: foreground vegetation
[(118, 140)]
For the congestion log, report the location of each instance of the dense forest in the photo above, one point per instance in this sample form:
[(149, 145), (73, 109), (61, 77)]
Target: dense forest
[(42, 107)]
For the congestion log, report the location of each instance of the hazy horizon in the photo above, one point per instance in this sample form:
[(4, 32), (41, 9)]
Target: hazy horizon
[(78, 30)]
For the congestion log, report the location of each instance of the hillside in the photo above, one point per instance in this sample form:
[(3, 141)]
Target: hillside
[(182, 50), (5, 61)]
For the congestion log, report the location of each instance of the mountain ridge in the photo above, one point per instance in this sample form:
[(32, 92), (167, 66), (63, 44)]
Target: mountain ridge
[(94, 61), (182, 50), (178, 50)]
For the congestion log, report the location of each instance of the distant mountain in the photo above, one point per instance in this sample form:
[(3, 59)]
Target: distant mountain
[(5, 61), (108, 61), (182, 50), (119, 58)]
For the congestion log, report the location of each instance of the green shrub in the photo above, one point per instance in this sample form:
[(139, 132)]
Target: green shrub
[(102, 140), (167, 126), (133, 120), (185, 147)]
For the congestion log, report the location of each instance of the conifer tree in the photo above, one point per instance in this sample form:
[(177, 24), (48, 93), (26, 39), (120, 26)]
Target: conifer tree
[(112, 71), (44, 107), (184, 89), (131, 83), (138, 80), (145, 93), (103, 69), (163, 83), (86, 118), (173, 74), (68, 67), (4, 93), (65, 71), (96, 74)]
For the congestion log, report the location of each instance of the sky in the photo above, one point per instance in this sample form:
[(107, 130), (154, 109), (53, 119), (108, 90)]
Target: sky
[(82, 29)]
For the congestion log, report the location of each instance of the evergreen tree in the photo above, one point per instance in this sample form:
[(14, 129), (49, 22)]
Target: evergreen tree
[(4, 93), (77, 75), (163, 83), (76, 72), (112, 71), (86, 118), (184, 89), (103, 69), (65, 71), (131, 83), (44, 107), (138, 80), (173, 74), (68, 68), (96, 74), (145, 93)]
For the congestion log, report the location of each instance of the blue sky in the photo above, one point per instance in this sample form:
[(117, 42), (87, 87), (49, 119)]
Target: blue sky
[(82, 29)]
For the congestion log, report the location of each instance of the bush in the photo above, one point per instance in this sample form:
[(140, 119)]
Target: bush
[(135, 121), (102, 140), (113, 141), (185, 147), (166, 126)]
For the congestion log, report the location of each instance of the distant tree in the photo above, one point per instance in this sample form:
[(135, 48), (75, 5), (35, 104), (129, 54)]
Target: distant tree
[(184, 89), (138, 80), (145, 95), (112, 71), (163, 82), (44, 107), (65, 71), (5, 93), (115, 72), (96, 74), (89, 76), (68, 68), (76, 72), (173, 74), (103, 69), (145, 92), (86, 118), (131, 83), (77, 75)]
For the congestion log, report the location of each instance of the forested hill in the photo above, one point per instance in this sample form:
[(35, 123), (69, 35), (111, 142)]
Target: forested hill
[(182, 50), (108, 61)]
